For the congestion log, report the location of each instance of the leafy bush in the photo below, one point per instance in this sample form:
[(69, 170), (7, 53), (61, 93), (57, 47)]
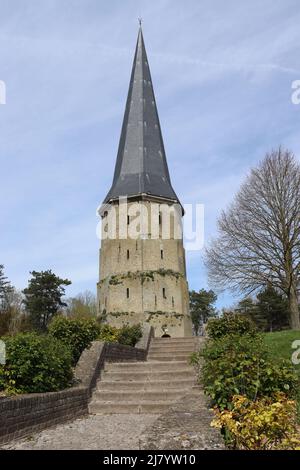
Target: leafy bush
[(130, 335), (108, 333), (77, 334), (35, 363), (230, 323), (239, 365), (265, 424)]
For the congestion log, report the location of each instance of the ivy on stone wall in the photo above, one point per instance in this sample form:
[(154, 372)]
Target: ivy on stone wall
[(142, 275), (119, 314), (150, 314), (158, 313)]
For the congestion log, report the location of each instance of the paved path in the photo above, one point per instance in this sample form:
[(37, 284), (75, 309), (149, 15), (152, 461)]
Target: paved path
[(186, 425), (118, 432)]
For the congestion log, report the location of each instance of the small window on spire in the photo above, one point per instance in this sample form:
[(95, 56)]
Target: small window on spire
[(128, 220), (164, 293), (127, 254), (127, 293), (162, 254)]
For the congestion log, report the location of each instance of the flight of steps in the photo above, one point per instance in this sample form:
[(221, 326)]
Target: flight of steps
[(150, 386)]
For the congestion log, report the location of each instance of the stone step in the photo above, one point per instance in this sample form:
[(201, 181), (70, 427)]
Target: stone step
[(146, 366), (147, 407), (169, 358), (117, 396), (173, 343), (159, 349), (150, 386), (191, 339), (148, 375), (140, 385), (170, 353)]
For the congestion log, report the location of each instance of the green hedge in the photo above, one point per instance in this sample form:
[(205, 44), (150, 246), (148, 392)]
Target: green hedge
[(239, 365), (77, 334), (130, 335), (230, 323), (35, 363), (43, 363)]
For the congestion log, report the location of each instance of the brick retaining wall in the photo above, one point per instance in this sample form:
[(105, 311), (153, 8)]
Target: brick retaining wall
[(26, 414), (23, 415)]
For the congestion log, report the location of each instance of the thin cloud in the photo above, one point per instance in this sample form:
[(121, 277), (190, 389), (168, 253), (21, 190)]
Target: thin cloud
[(222, 79)]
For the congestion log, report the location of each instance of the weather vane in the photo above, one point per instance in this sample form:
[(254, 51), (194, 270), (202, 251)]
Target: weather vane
[(140, 21)]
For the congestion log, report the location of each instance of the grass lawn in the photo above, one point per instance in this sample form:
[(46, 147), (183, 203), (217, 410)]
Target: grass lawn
[(280, 346)]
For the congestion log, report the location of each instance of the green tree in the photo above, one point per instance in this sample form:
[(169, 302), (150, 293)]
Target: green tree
[(248, 306), (201, 307), (269, 311), (273, 307), (43, 297)]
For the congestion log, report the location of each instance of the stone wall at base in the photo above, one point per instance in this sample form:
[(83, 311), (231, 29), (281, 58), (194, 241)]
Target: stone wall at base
[(143, 278), (23, 415)]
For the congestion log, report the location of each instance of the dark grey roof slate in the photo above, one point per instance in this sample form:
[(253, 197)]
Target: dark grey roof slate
[(141, 166)]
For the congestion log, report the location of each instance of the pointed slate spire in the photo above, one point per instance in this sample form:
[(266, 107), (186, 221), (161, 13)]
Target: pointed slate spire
[(141, 167)]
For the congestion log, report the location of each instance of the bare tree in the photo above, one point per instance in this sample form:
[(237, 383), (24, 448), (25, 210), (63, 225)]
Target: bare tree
[(259, 234), (84, 305), (16, 311)]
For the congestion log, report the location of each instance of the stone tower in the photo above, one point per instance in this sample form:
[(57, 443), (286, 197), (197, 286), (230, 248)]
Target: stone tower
[(142, 260)]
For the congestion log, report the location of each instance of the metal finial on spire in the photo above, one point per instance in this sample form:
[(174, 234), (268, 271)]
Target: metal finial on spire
[(140, 21)]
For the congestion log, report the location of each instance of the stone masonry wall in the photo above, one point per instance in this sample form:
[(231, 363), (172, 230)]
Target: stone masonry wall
[(161, 296)]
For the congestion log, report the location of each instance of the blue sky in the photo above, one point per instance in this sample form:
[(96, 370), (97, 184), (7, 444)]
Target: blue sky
[(222, 78)]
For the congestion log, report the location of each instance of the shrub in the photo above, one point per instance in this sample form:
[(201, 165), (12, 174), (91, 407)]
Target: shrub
[(35, 363), (77, 334), (130, 335), (265, 424), (108, 333), (230, 323), (239, 365)]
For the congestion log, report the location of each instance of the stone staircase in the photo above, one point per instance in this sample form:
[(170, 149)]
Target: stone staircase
[(147, 387)]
